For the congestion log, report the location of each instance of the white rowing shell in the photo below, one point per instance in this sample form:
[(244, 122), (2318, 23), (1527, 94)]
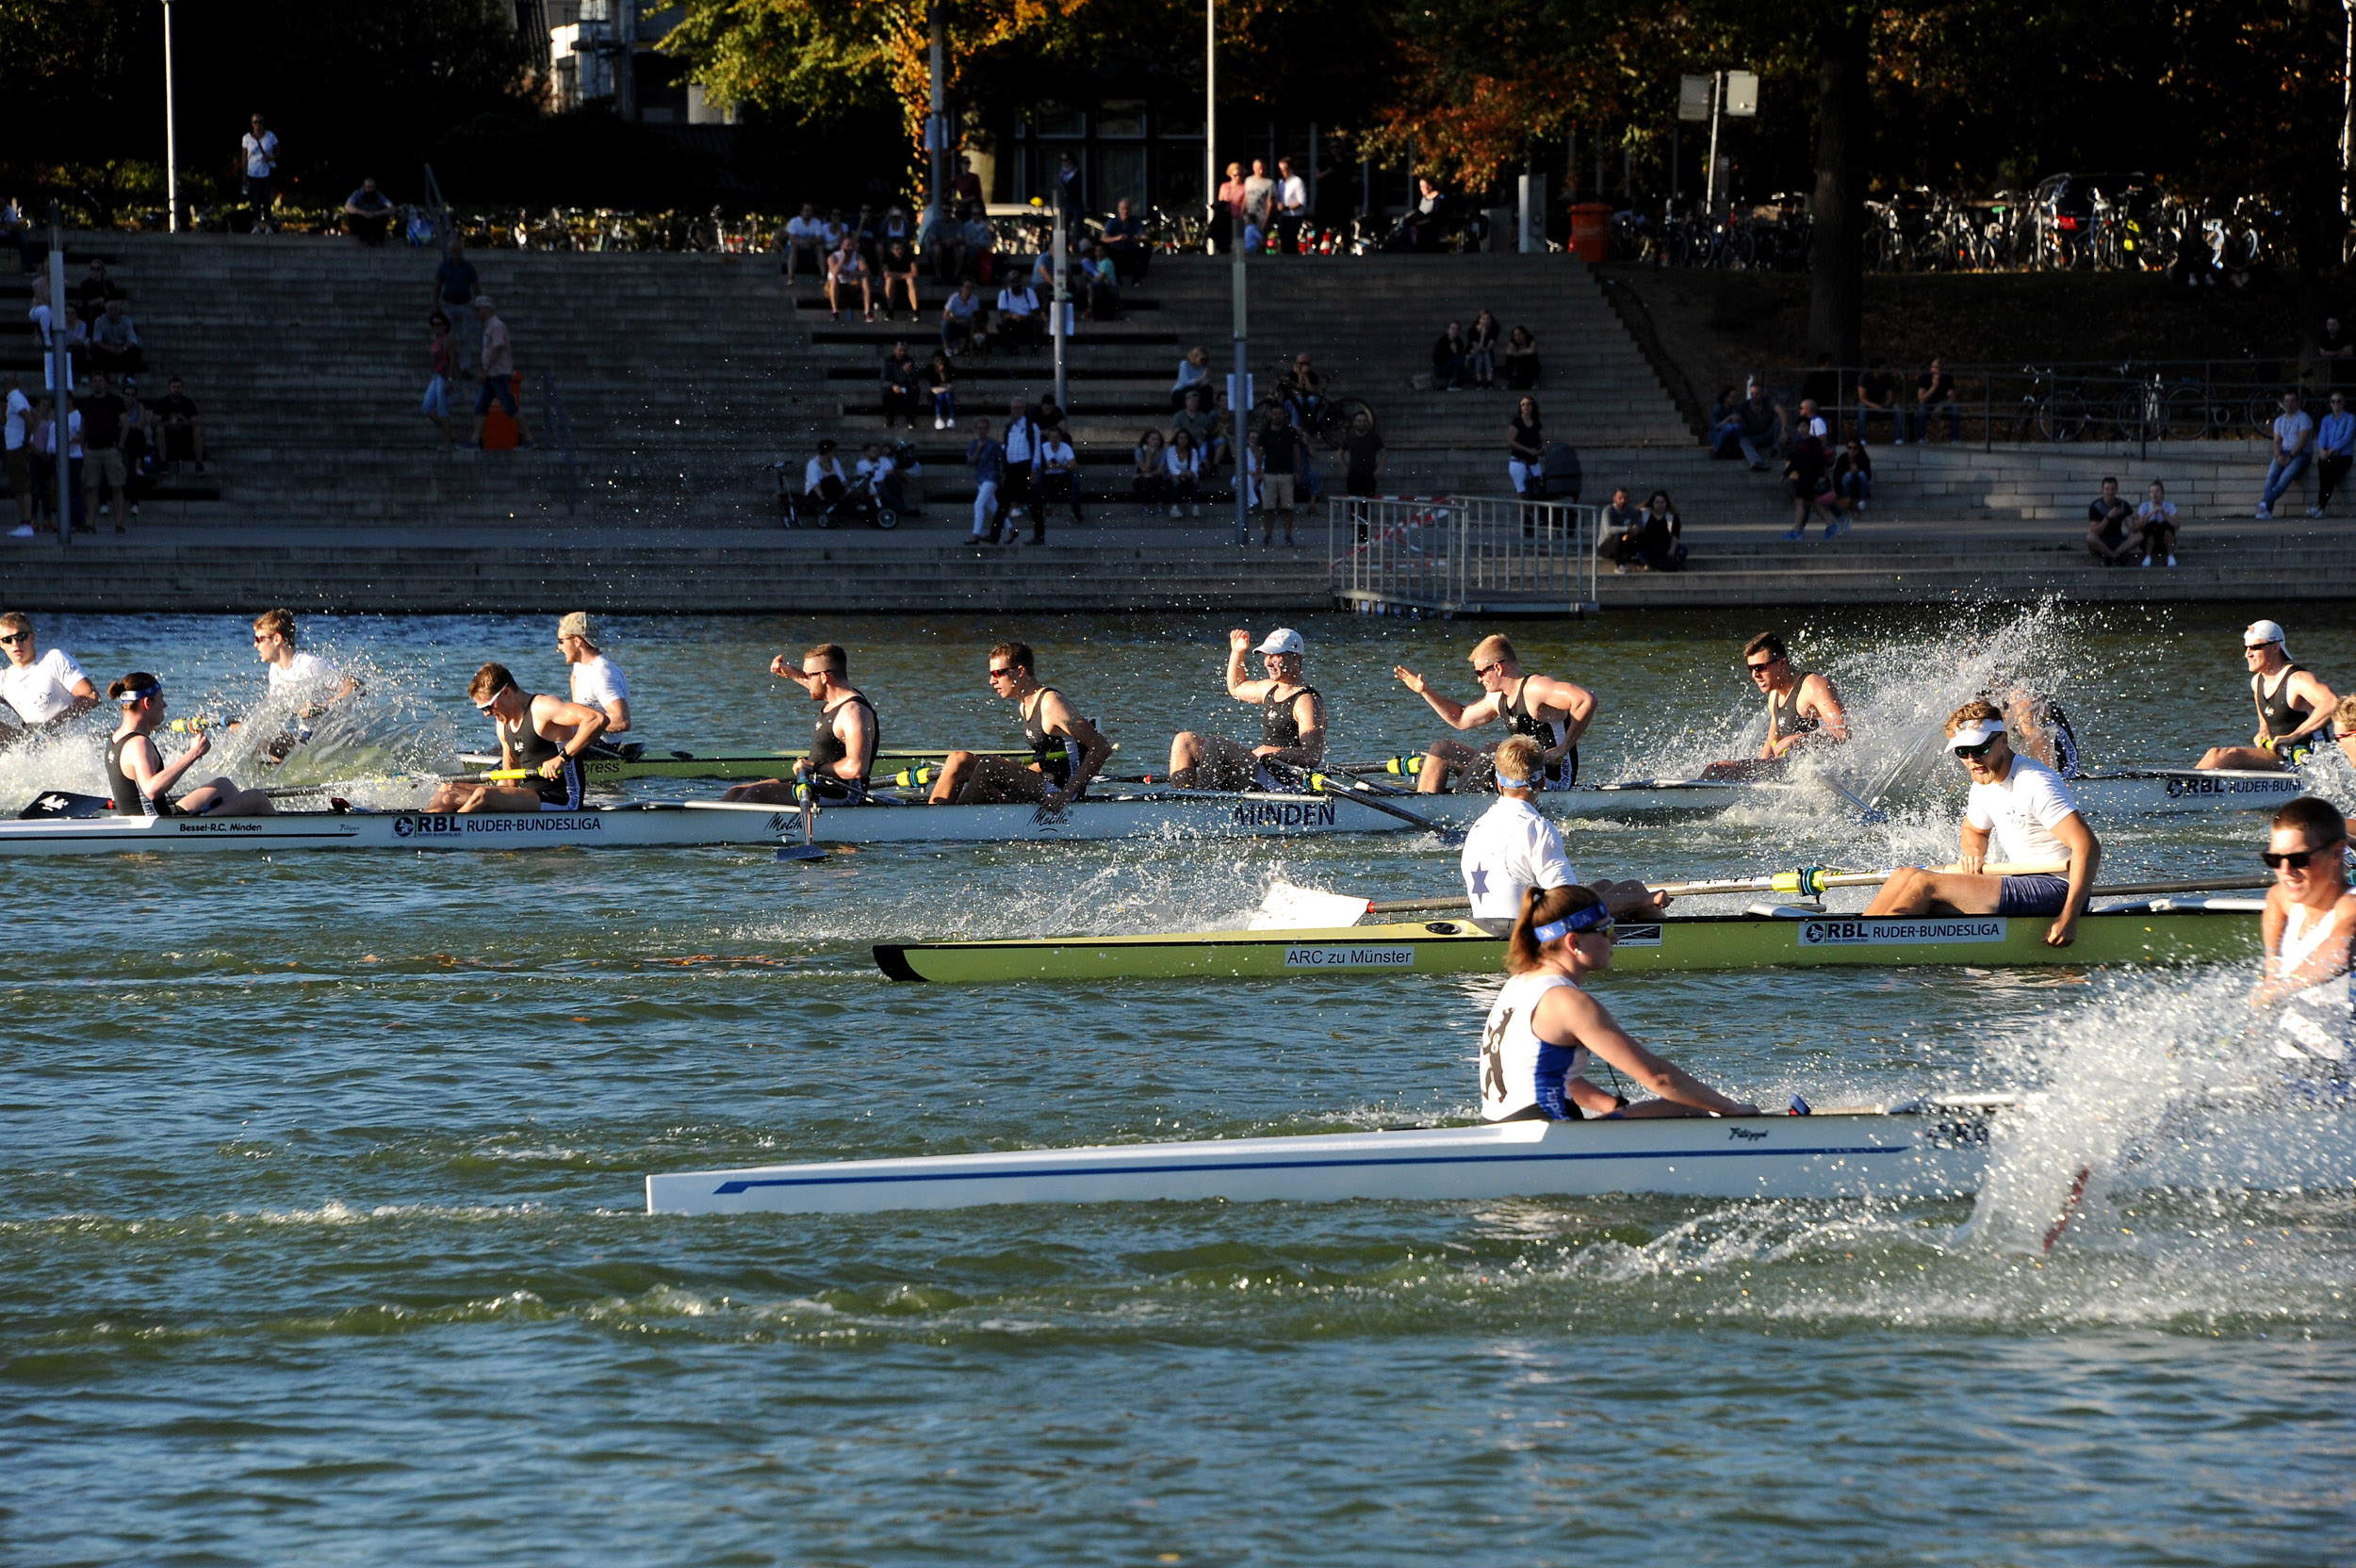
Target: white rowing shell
[(662, 826)]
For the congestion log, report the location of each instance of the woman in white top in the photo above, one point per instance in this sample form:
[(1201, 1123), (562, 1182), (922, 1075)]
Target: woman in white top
[(2309, 917), (846, 269), (1185, 473), (1545, 1030), (1150, 482)]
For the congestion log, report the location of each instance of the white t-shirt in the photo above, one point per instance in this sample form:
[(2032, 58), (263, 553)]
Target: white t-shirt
[(19, 420), (1016, 302), (1056, 455), (2166, 510), (43, 689), (2292, 429), (1295, 199), (1511, 848), (303, 675), (806, 231), (2022, 810), (819, 468), (1517, 1068), (261, 155), (598, 681)]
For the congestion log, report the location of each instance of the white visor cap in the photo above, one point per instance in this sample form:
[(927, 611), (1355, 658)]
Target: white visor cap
[(1283, 640), (1977, 733)]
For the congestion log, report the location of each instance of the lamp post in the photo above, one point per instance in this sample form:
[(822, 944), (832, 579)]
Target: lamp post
[(61, 379), (1210, 118), (937, 122), (1239, 396), (1056, 322), (172, 134)]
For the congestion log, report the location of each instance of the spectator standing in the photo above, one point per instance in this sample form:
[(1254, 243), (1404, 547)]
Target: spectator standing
[(100, 417), (846, 269), (1124, 242), (1023, 440), (1521, 360), (1292, 205), (2335, 444), (1194, 375), (1807, 479), (2156, 519), (456, 284), (1068, 180), (1231, 191), (965, 186), (961, 317), (1184, 460), (19, 454), (1760, 429), (1149, 481), (1852, 476), (114, 346), (2294, 447), (805, 244), (1278, 447), (1877, 393), (944, 393), (138, 463), (13, 233), (1365, 454), (179, 428), (499, 374), (1525, 447), (1447, 358), (899, 271), (2107, 517), (1259, 196), (260, 145), (368, 214), (441, 361), (989, 461), (1933, 391), (900, 397), (1481, 351), (1058, 479), (981, 247)]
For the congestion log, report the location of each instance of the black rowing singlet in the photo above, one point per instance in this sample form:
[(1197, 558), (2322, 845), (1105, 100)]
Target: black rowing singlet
[(2066, 759), (1278, 727), (2276, 711), (826, 748), (129, 799), (1549, 733), (532, 748), (1056, 755), (1784, 716)]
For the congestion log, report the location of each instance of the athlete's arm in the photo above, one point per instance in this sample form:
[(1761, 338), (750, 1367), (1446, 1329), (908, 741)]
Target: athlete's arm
[(1818, 701), (2328, 961), (156, 782), (617, 715), (1238, 645), (1575, 703), (1457, 715), (2321, 704), (1974, 850), (2086, 858), (588, 723), (2270, 924), (1567, 1013), (1059, 719)]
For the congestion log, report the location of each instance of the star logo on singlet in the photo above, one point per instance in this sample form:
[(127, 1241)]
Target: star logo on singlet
[(1480, 882)]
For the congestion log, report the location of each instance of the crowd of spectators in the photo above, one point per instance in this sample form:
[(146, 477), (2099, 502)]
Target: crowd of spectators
[(117, 444), (1475, 359)]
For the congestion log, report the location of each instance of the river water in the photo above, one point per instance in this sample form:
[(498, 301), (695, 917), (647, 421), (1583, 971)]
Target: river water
[(321, 1229)]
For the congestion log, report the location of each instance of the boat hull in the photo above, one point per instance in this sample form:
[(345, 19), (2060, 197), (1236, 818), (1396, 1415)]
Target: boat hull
[(1687, 942), (649, 826), (1789, 1156), (1173, 814)]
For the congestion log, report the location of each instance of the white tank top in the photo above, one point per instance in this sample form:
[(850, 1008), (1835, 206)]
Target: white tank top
[(2319, 1018), (1520, 1072)]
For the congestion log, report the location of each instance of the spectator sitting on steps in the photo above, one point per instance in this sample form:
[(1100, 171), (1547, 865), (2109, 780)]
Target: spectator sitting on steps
[(943, 388), (899, 387), (114, 343), (2157, 520), (899, 271), (847, 269), (368, 214), (1447, 358), (2294, 447), (1194, 371), (1654, 542), (181, 429), (1877, 393), (883, 475), (805, 244), (1935, 390), (1759, 429), (961, 319), (1522, 369), (1617, 527), (498, 375), (1019, 318), (823, 480), (1852, 476), (2107, 535), (1812, 423), (2335, 446), (1124, 242), (1725, 423), (1149, 481), (1198, 423), (91, 295)]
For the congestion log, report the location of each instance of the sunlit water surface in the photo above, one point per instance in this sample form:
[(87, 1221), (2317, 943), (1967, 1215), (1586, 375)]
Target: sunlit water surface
[(321, 1235)]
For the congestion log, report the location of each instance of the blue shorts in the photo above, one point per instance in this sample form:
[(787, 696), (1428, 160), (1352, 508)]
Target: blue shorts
[(2039, 894), (502, 390)]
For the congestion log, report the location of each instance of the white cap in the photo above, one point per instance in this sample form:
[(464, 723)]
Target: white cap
[(2264, 632), (1978, 733), (1283, 640)]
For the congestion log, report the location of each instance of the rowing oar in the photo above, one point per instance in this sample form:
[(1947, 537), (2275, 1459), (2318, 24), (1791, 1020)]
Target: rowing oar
[(1322, 785), (1873, 814), (805, 850), (1810, 880)]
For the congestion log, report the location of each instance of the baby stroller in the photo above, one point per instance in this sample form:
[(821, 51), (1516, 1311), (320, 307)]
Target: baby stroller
[(859, 502)]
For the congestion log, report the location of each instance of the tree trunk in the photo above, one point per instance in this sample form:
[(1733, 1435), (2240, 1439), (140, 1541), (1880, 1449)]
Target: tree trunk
[(1836, 316)]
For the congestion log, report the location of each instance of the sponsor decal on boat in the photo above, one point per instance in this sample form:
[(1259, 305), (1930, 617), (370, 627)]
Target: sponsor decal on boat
[(2179, 787), (1285, 814), (227, 825), (428, 824), (1350, 957), (1861, 932)]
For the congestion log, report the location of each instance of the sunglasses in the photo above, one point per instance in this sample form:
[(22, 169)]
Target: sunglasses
[(13, 638), (1001, 671), (2296, 859), (1756, 668), (1978, 752), (1480, 670)]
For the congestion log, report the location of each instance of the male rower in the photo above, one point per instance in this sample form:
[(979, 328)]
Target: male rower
[(1066, 750), (2034, 819), (2041, 731), (1292, 723), (2292, 706), (1512, 848), (304, 681), (140, 781), (2309, 917), (1554, 713), (542, 733), (44, 689), (1803, 708), (1544, 1029), (841, 743), (597, 682)]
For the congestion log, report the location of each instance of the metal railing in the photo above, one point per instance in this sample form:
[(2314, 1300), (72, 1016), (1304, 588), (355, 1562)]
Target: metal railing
[(1462, 554)]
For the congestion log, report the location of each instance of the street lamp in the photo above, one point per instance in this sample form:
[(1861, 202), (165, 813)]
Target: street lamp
[(172, 132)]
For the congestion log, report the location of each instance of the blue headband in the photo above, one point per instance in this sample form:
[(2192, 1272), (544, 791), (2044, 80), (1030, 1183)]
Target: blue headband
[(139, 693), (1507, 781), (1579, 920)]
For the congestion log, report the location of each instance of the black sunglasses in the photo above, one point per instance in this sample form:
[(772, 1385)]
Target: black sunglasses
[(1979, 751), (1756, 668), (2295, 859), (15, 637)]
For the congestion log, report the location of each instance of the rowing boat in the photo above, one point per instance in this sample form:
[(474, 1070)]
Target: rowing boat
[(2158, 931), (641, 826), (2136, 791), (1925, 1149), (1133, 814), (687, 764)]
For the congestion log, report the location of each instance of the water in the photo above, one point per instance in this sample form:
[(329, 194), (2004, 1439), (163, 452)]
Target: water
[(321, 1234)]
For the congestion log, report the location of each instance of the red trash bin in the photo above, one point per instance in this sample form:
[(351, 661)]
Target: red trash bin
[(1591, 232)]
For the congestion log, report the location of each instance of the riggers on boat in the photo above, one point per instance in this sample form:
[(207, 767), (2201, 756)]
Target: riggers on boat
[(2176, 930)]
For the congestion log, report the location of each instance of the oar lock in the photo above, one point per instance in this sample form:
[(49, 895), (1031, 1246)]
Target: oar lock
[(1807, 881), (912, 778)]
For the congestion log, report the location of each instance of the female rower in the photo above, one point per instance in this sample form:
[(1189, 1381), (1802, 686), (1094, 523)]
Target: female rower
[(1545, 1030), (135, 772), (2309, 918)]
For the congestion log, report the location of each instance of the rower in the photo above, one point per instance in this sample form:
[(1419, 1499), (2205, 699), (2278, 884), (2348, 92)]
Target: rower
[(1555, 714), (2034, 819), (542, 733), (597, 682), (2309, 917), (1066, 750), (1292, 723), (2042, 730), (2292, 706), (1513, 849), (841, 743), (307, 684), (46, 689), (1545, 1030), (138, 778), (1802, 705)]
